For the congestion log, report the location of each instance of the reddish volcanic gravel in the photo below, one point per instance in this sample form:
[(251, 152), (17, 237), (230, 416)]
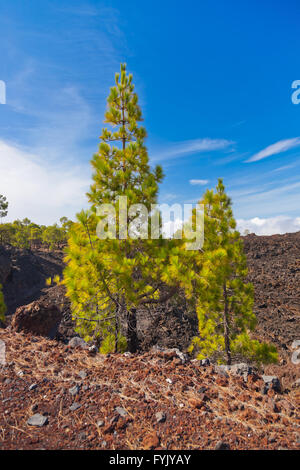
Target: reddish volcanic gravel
[(147, 401)]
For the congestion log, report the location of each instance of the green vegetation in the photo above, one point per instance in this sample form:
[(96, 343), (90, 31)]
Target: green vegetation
[(27, 234), (225, 303), (109, 279)]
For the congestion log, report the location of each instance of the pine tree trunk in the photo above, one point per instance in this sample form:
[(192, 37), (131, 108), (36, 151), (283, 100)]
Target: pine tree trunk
[(226, 327), (132, 338), (117, 330)]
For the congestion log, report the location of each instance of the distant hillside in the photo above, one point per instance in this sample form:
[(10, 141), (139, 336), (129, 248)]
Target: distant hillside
[(274, 269), (23, 274)]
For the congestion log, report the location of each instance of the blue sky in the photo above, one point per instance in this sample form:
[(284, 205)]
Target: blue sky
[(215, 86)]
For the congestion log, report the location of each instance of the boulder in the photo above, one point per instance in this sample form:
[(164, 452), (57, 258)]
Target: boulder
[(171, 353), (222, 446), (272, 383), (38, 318), (37, 420), (242, 369), (205, 362), (92, 350), (222, 370), (77, 342)]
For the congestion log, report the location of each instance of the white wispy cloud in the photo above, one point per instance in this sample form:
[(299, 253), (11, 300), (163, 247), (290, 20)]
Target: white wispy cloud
[(286, 167), (274, 149), (199, 182), (188, 147), (39, 189), (42, 177), (168, 197), (89, 9), (269, 226), (86, 10), (63, 125), (264, 202)]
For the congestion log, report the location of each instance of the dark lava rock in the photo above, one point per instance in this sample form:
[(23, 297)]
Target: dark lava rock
[(77, 342), (222, 446), (5, 265), (272, 382), (23, 274), (38, 318)]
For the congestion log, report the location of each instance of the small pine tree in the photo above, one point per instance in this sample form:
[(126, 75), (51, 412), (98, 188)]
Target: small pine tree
[(21, 235), (2, 306), (225, 301), (53, 236)]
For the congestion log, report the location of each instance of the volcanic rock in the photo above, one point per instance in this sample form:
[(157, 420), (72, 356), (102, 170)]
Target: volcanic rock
[(23, 274), (38, 318), (5, 265), (222, 446), (77, 342), (37, 420), (272, 382), (75, 406), (160, 417)]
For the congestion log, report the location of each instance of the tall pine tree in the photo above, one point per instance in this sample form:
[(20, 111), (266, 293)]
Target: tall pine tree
[(225, 299), (108, 279)]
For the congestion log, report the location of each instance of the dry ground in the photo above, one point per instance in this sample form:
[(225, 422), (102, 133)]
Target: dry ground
[(201, 406)]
